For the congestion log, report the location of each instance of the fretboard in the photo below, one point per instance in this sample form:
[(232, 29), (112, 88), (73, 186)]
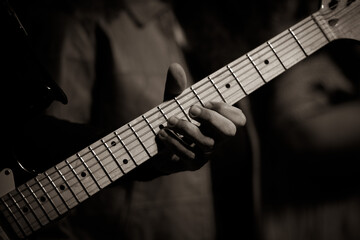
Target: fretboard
[(62, 187)]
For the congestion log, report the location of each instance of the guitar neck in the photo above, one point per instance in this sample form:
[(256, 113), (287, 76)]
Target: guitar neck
[(53, 193)]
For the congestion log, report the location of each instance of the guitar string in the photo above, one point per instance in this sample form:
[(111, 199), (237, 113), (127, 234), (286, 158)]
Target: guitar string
[(105, 150), (34, 214), (168, 105), (146, 125), (163, 107), (171, 104)]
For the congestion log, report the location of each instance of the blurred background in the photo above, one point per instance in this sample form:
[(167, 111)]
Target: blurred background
[(295, 173), (306, 120)]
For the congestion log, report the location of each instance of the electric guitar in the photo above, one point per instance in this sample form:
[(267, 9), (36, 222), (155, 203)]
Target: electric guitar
[(29, 207)]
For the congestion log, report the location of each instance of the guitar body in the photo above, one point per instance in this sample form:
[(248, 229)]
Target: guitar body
[(7, 184), (29, 205), (12, 174)]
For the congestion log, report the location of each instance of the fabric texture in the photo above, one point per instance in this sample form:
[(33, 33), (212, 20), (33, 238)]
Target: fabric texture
[(113, 69)]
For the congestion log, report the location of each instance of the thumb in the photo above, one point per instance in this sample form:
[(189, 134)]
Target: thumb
[(175, 81)]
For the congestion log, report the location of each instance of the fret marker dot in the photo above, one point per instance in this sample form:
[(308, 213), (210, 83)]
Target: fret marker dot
[(266, 62), (25, 209), (228, 85), (83, 174), (113, 143), (125, 161), (42, 199), (62, 187), (161, 126)]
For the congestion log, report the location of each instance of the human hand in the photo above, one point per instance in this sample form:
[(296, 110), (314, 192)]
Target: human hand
[(188, 146)]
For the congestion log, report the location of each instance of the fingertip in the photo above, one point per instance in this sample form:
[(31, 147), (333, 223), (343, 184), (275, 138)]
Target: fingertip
[(194, 111), (175, 81), (177, 72)]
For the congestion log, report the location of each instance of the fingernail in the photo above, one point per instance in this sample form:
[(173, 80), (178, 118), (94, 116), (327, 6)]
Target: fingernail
[(172, 121), (195, 111)]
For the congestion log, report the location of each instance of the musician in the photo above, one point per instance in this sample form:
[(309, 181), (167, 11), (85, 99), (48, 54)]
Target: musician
[(111, 59)]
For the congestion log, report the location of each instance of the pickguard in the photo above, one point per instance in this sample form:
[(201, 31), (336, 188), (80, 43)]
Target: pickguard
[(7, 182)]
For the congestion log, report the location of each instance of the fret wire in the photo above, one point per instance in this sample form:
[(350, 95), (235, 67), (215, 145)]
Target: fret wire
[(182, 109), (89, 170), (271, 69), (138, 138), (14, 217), (126, 149), (57, 190), (274, 51), (243, 61), (311, 39), (48, 196), (21, 212), (286, 54), (38, 201), (324, 26), (164, 113), (100, 163), (171, 108), (309, 32), (282, 40), (236, 78), (262, 48), (297, 40), (287, 50), (148, 123), (77, 177), (256, 68), (76, 158), (67, 184), (300, 24), (196, 95), (31, 208), (217, 89), (231, 90), (247, 71), (112, 155), (259, 49), (161, 111), (92, 174), (318, 25)]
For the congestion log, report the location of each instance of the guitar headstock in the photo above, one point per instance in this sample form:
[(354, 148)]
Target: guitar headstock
[(342, 17)]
